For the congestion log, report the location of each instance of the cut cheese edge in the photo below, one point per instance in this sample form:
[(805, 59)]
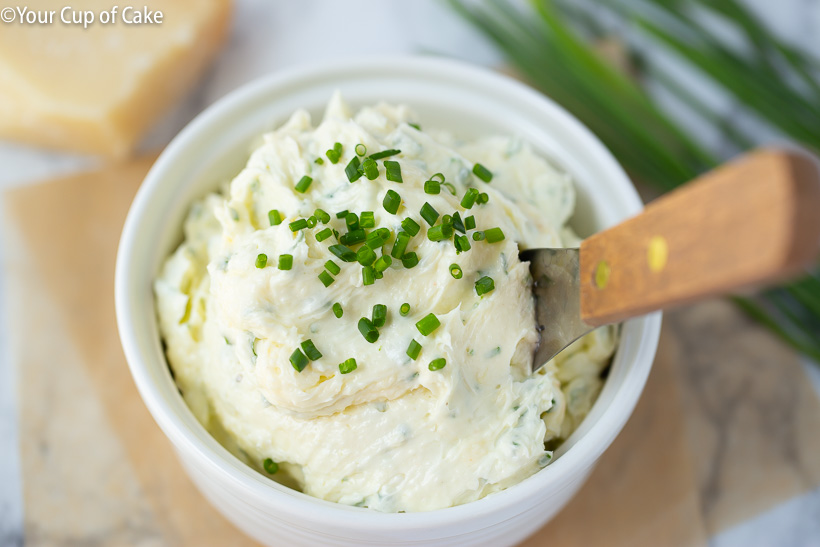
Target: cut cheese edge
[(98, 90)]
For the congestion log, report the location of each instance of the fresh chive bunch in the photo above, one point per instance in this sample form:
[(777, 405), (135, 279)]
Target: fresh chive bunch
[(552, 44)]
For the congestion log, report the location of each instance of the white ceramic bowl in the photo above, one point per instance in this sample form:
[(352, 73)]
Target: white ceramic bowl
[(214, 147)]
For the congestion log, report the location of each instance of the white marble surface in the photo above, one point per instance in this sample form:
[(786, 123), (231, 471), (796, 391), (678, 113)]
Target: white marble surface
[(269, 35)]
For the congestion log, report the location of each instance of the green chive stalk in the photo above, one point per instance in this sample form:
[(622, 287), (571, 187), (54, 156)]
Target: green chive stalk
[(552, 44)]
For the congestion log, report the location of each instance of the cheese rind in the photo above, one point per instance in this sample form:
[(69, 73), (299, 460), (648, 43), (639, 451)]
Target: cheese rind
[(98, 90)]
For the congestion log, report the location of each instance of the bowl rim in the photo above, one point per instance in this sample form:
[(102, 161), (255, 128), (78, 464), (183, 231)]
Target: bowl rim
[(583, 454)]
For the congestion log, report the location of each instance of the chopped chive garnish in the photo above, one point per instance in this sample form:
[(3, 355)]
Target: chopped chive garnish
[(429, 214), (337, 310), (382, 264), (261, 260), (432, 187), (449, 187), (367, 220), (322, 215), (410, 226), (469, 198), (298, 360), (310, 350), (370, 169), (482, 172), (348, 366), (440, 232), (312, 221), (275, 217), (404, 309), (458, 224), (285, 262), (335, 154), (353, 169), (332, 267), (353, 237), (438, 177), (365, 256), (484, 285), (319, 161), (342, 251), (385, 154), (323, 234), (415, 126), (298, 224), (303, 184), (437, 364), (270, 466), (455, 271), (326, 279), (483, 197), (400, 246), (352, 221), (392, 171), (478, 236), (447, 219), (462, 244), (377, 274), (342, 214), (410, 260), (368, 330), (391, 202), (377, 238), (368, 275), (494, 235), (413, 350), (379, 315), (428, 324), (360, 149), (469, 222)]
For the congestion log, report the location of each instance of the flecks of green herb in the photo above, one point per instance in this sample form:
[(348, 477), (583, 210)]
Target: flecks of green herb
[(348, 366), (410, 226), (428, 324), (270, 466), (367, 219), (275, 217), (437, 364), (392, 171), (310, 350), (326, 279), (413, 350), (382, 264), (298, 360), (484, 285), (410, 260), (482, 172)]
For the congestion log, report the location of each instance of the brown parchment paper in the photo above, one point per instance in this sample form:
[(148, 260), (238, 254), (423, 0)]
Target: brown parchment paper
[(725, 428)]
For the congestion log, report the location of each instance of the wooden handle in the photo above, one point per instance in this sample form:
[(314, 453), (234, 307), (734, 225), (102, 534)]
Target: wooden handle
[(749, 222)]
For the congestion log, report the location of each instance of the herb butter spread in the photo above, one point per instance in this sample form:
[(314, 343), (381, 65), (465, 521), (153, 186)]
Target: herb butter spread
[(350, 316)]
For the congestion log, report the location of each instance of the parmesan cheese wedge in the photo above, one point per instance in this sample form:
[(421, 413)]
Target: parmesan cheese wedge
[(99, 89)]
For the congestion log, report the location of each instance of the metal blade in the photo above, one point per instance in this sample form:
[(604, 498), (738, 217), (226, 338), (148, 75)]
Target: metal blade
[(557, 291)]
